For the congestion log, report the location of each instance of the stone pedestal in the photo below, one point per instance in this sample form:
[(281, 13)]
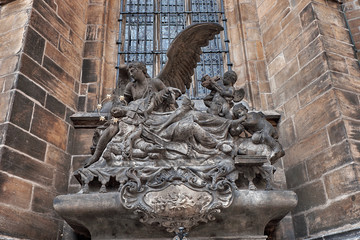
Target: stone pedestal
[(103, 216)]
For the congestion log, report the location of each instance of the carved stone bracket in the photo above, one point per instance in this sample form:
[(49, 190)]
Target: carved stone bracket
[(104, 217), (173, 197)]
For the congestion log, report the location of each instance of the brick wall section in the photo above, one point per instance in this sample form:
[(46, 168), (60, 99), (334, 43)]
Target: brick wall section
[(110, 47), (315, 83), (99, 73), (12, 40), (247, 53), (40, 81), (93, 54), (81, 151)]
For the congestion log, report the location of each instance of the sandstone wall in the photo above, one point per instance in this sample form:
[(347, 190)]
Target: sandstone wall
[(352, 12), (100, 53), (314, 80), (247, 53), (41, 61)]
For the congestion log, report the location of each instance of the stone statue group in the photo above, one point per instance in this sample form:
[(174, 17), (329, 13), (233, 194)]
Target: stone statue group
[(163, 157), (147, 123), (153, 126)]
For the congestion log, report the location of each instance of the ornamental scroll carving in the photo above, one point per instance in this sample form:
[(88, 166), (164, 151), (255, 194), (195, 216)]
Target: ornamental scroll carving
[(172, 197)]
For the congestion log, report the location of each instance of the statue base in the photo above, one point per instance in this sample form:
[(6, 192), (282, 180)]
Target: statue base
[(103, 216)]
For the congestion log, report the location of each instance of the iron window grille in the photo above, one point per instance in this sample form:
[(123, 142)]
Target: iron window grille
[(147, 27)]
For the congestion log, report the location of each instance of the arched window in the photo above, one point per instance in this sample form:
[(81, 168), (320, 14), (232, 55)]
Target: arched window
[(147, 27)]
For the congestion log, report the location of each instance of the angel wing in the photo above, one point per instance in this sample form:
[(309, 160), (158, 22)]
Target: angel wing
[(239, 95), (184, 53)]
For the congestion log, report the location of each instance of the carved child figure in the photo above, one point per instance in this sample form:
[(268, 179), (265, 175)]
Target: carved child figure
[(262, 131), (220, 99)]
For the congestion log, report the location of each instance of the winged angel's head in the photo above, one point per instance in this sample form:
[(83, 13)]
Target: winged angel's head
[(136, 69)]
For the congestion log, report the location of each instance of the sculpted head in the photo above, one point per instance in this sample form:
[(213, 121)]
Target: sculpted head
[(230, 77), (135, 67), (239, 110)]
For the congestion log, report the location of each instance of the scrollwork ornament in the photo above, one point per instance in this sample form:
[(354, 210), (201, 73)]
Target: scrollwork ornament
[(161, 196)]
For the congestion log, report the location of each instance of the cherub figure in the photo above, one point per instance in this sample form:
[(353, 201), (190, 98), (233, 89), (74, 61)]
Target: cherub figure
[(262, 131), (220, 99)]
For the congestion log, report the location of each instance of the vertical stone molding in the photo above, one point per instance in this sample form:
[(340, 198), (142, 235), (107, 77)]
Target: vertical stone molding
[(100, 53), (247, 53), (351, 9)]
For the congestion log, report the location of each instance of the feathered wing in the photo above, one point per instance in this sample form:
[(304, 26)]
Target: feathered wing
[(239, 95), (184, 53)]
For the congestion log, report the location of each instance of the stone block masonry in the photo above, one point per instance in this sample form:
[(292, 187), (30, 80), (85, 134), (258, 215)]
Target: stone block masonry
[(41, 52), (100, 53), (314, 81), (352, 13)]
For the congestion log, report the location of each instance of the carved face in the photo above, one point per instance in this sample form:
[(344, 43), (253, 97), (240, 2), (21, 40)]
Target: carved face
[(136, 73), (239, 110), (230, 78)]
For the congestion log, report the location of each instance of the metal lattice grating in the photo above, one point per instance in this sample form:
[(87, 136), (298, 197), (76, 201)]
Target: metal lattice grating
[(147, 27)]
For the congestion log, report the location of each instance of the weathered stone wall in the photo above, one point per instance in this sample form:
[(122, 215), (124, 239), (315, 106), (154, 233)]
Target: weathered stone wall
[(98, 72), (314, 80), (41, 59), (248, 58)]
